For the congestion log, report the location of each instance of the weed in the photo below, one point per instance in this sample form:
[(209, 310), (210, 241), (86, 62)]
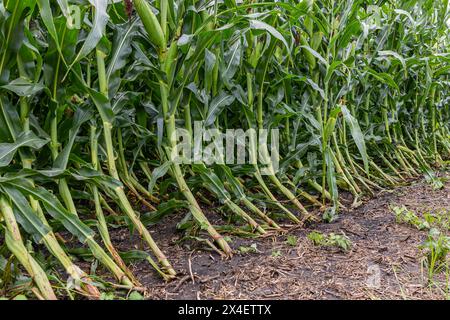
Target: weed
[(436, 247), (276, 253), (403, 215), (251, 249), (292, 240), (330, 240)]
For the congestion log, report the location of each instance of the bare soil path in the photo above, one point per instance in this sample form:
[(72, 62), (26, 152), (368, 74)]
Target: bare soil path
[(278, 270)]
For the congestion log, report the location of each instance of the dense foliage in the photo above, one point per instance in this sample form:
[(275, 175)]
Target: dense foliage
[(92, 91)]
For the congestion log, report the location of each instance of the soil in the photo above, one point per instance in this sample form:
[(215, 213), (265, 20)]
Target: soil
[(384, 262)]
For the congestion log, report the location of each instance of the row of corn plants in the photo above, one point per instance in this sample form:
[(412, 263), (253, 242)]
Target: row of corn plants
[(92, 93)]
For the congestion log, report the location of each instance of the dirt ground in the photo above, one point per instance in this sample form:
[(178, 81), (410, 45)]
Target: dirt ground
[(384, 262)]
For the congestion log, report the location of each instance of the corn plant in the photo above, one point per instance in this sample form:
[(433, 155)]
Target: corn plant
[(94, 92)]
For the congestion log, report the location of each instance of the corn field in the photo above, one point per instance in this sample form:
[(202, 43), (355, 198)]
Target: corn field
[(92, 93)]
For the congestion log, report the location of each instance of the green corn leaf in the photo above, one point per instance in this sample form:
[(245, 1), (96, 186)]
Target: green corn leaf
[(260, 25), (357, 135), (98, 28), (70, 221), (25, 215), (384, 78), (234, 184), (121, 48), (64, 5), (213, 182), (157, 173), (317, 55), (331, 175), (81, 116), (217, 105), (26, 139), (24, 88), (232, 60)]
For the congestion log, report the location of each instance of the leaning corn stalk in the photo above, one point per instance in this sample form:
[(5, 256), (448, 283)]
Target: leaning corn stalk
[(157, 37), (15, 244)]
